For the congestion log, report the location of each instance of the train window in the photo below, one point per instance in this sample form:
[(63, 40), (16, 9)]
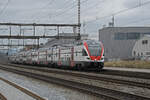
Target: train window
[(84, 53)]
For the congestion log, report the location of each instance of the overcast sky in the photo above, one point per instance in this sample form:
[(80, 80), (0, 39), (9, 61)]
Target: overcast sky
[(94, 13)]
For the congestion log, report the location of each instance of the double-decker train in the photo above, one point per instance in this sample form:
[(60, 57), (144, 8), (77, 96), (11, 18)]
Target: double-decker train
[(79, 55)]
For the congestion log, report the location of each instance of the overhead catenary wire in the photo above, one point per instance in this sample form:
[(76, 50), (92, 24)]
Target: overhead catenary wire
[(137, 21), (119, 12), (90, 8), (66, 3), (3, 9), (69, 8), (51, 2), (48, 4), (65, 10), (93, 6)]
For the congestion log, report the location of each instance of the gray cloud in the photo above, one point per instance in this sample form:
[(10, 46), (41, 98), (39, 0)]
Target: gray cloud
[(61, 11)]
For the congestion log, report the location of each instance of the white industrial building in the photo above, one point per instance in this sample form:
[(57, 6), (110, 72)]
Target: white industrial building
[(141, 49)]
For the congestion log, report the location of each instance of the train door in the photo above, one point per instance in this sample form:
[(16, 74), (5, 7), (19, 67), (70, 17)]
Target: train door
[(72, 57), (46, 54), (59, 56)]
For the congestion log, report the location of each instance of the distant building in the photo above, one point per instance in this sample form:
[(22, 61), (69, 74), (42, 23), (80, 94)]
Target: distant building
[(119, 41), (141, 49), (13, 51), (3, 50)]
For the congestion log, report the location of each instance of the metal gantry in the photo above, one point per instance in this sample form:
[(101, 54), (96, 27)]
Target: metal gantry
[(79, 23), (34, 36)]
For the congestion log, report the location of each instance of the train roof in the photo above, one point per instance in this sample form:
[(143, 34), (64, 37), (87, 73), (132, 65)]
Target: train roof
[(70, 44)]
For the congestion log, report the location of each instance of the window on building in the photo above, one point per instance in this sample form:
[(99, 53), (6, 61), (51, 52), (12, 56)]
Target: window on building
[(127, 36), (147, 53), (146, 34), (144, 42), (133, 36), (120, 36)]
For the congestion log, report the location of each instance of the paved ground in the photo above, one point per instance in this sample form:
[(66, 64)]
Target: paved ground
[(129, 69)]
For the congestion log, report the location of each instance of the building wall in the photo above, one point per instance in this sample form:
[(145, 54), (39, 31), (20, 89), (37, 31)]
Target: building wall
[(120, 48)]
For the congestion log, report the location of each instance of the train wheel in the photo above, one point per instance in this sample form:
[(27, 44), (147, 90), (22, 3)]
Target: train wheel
[(76, 67), (54, 65), (100, 66), (79, 67)]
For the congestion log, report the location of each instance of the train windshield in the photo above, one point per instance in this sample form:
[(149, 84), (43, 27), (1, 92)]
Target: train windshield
[(94, 48)]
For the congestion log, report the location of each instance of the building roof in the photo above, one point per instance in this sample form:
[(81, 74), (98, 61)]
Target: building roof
[(133, 27)]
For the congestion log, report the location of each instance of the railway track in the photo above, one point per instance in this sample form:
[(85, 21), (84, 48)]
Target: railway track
[(29, 93), (2, 97), (92, 89), (96, 76), (141, 75)]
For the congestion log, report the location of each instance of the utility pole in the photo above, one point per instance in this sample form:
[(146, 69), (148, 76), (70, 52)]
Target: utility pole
[(23, 36), (84, 27), (58, 31), (113, 21), (9, 38), (19, 34), (22, 30), (34, 33), (4, 29), (79, 37)]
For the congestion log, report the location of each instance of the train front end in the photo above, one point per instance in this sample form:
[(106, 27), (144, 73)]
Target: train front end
[(95, 53)]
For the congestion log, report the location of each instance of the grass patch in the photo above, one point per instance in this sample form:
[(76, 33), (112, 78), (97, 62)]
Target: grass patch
[(129, 64)]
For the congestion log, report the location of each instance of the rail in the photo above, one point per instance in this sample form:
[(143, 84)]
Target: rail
[(92, 89)]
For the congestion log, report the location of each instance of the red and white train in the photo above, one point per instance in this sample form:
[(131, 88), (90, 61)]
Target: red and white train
[(82, 54)]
